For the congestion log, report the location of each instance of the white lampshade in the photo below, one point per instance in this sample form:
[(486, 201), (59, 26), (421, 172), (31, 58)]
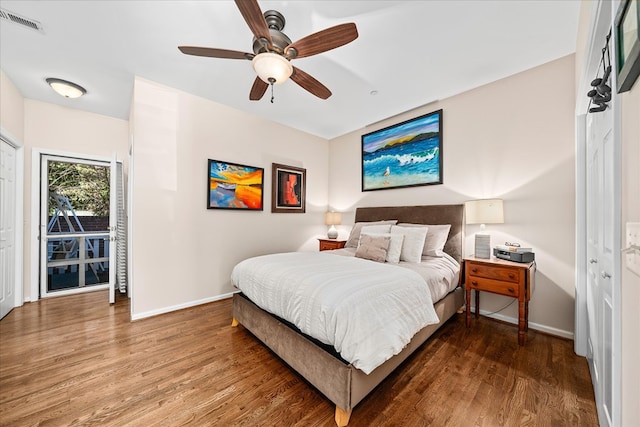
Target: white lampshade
[(333, 218), (65, 88), (270, 65), (487, 211)]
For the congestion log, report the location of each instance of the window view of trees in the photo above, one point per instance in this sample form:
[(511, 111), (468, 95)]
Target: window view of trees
[(86, 186)]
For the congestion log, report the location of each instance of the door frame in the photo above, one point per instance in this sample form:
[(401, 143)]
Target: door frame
[(601, 21), (36, 156), (19, 216)]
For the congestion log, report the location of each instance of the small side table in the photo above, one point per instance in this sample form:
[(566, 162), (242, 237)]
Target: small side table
[(331, 244), (502, 277)]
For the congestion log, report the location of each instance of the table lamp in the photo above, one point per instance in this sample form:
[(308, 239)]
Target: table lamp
[(332, 219), (485, 211)]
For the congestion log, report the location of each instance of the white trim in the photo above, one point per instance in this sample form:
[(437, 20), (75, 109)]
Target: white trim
[(62, 293), (19, 215), (72, 156), (580, 326), (130, 230), (181, 306), (538, 327), (616, 339), (35, 221)]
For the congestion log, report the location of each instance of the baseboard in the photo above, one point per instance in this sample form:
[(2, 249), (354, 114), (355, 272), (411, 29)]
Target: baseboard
[(169, 309), (538, 327)]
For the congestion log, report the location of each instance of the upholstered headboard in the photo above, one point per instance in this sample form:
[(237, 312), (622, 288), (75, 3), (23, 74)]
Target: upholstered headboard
[(434, 214)]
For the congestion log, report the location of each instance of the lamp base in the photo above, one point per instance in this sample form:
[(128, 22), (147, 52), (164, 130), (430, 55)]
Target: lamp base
[(483, 246), (332, 233)]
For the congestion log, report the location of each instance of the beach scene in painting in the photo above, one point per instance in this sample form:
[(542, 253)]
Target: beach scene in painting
[(402, 155), (234, 186)]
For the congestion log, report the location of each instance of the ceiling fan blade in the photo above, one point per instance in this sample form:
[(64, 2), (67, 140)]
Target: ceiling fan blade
[(258, 89), (324, 40), (252, 14), (310, 84), (215, 53)]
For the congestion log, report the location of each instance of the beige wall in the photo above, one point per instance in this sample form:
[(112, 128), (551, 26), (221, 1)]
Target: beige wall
[(509, 139), (61, 129), (183, 253), (11, 109), (630, 290)]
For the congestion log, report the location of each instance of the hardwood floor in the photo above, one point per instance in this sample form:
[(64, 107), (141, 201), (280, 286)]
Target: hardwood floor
[(76, 361)]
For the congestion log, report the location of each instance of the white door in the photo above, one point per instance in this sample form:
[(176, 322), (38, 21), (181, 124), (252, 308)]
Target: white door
[(7, 225), (113, 227), (600, 247), (73, 257)]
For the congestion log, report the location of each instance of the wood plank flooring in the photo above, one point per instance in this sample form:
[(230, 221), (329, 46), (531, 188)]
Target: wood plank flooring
[(76, 361)]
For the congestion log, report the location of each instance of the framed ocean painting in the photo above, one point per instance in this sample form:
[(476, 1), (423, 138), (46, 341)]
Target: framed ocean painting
[(234, 186), (406, 154), (288, 189)]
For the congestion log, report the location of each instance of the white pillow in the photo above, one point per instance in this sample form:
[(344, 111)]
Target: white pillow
[(413, 243), (354, 236), (436, 238), (375, 229), (395, 244)]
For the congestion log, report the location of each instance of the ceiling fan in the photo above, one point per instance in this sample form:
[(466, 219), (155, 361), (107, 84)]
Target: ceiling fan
[(273, 50)]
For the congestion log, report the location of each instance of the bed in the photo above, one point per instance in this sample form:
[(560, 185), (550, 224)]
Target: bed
[(340, 381)]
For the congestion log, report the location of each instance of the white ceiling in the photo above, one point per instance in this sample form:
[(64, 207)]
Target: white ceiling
[(409, 53)]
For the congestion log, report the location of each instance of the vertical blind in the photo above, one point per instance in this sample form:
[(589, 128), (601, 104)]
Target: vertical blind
[(121, 232)]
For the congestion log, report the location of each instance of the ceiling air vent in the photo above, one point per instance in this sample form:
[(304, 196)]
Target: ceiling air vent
[(20, 20)]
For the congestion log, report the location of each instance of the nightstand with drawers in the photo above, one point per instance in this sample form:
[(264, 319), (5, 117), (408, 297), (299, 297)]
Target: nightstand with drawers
[(502, 277), (331, 244)]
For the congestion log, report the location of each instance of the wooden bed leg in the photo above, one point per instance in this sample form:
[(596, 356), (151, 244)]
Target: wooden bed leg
[(234, 322), (342, 417)]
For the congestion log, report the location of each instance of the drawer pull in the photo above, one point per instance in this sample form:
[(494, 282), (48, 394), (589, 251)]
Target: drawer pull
[(512, 276), (474, 283), (511, 290), (474, 270)]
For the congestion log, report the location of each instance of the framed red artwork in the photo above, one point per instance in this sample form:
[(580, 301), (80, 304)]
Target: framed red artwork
[(288, 189)]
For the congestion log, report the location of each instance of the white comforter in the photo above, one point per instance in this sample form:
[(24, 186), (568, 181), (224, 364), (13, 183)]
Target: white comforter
[(368, 311)]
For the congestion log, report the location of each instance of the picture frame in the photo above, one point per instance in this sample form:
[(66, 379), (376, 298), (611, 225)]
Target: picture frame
[(234, 186), (288, 188), (627, 43), (406, 154)]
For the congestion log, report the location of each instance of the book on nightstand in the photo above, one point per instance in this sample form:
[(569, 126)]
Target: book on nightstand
[(516, 249)]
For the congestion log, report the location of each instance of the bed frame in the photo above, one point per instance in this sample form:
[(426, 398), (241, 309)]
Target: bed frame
[(339, 381)]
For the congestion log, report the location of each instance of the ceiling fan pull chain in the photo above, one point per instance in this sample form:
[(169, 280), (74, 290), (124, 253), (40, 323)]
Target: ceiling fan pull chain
[(272, 81)]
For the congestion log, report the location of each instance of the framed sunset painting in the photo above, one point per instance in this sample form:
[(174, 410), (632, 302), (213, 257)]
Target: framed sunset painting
[(234, 186), (406, 154)]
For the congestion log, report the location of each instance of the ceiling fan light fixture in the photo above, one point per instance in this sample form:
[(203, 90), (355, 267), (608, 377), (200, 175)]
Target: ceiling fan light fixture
[(271, 66), (66, 88)]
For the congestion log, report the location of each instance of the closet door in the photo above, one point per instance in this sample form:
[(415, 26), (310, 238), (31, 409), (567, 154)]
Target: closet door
[(7, 227), (600, 258)]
